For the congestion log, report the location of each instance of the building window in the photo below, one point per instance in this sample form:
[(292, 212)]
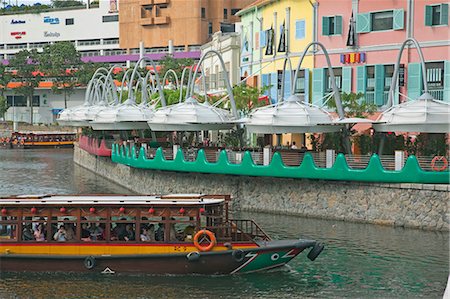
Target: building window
[(300, 30), (203, 13), (234, 11), (225, 13), (21, 101), (210, 28), (382, 20), (114, 18), (300, 82), (332, 25), (227, 27), (70, 21), (337, 76), (436, 15)]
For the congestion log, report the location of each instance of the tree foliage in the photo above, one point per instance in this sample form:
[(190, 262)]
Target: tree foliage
[(61, 61), (66, 3), (247, 97), (176, 64), (26, 65), (3, 106)]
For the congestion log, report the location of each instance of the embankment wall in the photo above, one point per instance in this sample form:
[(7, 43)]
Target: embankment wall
[(423, 206)]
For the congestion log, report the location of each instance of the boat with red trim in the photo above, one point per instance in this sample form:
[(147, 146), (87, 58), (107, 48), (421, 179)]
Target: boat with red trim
[(157, 234)]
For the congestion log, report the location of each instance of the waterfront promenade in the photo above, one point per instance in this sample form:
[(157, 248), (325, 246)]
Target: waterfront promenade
[(422, 206)]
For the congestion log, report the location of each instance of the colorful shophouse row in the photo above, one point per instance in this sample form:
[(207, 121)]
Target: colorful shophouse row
[(362, 38)]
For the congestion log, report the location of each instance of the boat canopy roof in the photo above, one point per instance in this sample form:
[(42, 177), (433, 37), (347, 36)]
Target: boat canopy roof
[(113, 199)]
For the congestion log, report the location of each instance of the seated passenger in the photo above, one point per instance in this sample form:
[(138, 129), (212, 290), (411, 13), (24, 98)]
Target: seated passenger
[(145, 235), (188, 233), (129, 233), (96, 232), (159, 234), (27, 234), (39, 234), (85, 233), (70, 234), (60, 235)]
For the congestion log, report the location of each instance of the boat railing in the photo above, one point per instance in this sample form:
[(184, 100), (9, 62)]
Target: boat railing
[(249, 228)]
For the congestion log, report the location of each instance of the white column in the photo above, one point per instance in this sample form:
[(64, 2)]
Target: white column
[(287, 30), (330, 158), (399, 160), (141, 53), (267, 152), (175, 150)]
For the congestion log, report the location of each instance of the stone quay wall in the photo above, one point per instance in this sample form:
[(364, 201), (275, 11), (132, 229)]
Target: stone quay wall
[(408, 205)]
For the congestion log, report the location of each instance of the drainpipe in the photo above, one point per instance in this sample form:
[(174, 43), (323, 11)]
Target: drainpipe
[(274, 35), (287, 29), (355, 11), (251, 47)]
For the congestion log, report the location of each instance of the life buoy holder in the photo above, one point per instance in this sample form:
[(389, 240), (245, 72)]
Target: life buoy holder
[(439, 159), (210, 235)]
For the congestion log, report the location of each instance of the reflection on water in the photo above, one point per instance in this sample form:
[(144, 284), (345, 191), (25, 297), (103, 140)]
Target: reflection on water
[(359, 260)]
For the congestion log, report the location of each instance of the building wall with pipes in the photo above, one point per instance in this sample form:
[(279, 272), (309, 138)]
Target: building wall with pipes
[(229, 46), (366, 65)]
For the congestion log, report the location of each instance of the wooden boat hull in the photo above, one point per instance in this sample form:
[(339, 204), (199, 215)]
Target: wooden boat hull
[(274, 254)]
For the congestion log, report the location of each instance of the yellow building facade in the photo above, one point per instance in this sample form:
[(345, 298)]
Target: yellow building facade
[(276, 30)]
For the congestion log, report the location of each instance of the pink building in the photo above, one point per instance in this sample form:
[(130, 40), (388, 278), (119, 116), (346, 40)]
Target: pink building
[(364, 62)]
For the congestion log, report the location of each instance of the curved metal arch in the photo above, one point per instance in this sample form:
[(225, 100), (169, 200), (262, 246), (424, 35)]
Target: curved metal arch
[(89, 86), (337, 95), (286, 60), (174, 74), (149, 76), (227, 80), (182, 81), (397, 66), (125, 78), (111, 83), (161, 94)]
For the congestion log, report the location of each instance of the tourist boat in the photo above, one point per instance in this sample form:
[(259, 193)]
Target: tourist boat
[(170, 234), (38, 140)]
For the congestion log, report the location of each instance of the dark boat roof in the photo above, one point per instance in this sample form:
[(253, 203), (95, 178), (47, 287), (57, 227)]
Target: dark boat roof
[(113, 199)]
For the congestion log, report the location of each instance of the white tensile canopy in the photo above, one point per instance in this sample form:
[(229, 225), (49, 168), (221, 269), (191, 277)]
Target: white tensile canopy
[(425, 115), (126, 116), (191, 116), (291, 116)]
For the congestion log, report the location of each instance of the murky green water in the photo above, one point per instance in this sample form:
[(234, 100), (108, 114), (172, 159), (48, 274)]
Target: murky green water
[(359, 261)]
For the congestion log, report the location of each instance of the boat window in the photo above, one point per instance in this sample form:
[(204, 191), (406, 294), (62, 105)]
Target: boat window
[(64, 228), (34, 228), (93, 228), (8, 227), (123, 228), (182, 229)]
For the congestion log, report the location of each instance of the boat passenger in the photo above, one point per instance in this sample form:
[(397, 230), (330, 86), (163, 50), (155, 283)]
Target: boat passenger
[(188, 233), (85, 233), (148, 233), (96, 232), (173, 232), (129, 233), (27, 234), (159, 234), (60, 235), (39, 233), (70, 234)]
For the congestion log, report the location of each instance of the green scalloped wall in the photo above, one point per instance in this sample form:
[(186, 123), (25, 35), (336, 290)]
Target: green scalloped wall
[(374, 172)]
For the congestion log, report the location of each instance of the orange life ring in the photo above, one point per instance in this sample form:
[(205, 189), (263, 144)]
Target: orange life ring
[(7, 139), (437, 159), (211, 237)]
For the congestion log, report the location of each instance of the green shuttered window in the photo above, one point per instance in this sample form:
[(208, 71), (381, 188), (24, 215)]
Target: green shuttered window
[(318, 86), (414, 80), (446, 97), (380, 21), (347, 79), (332, 25), (436, 15)]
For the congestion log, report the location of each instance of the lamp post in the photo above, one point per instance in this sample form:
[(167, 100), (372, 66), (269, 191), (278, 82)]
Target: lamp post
[(14, 115)]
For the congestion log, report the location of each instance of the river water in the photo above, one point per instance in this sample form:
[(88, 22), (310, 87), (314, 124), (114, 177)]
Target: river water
[(359, 260)]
